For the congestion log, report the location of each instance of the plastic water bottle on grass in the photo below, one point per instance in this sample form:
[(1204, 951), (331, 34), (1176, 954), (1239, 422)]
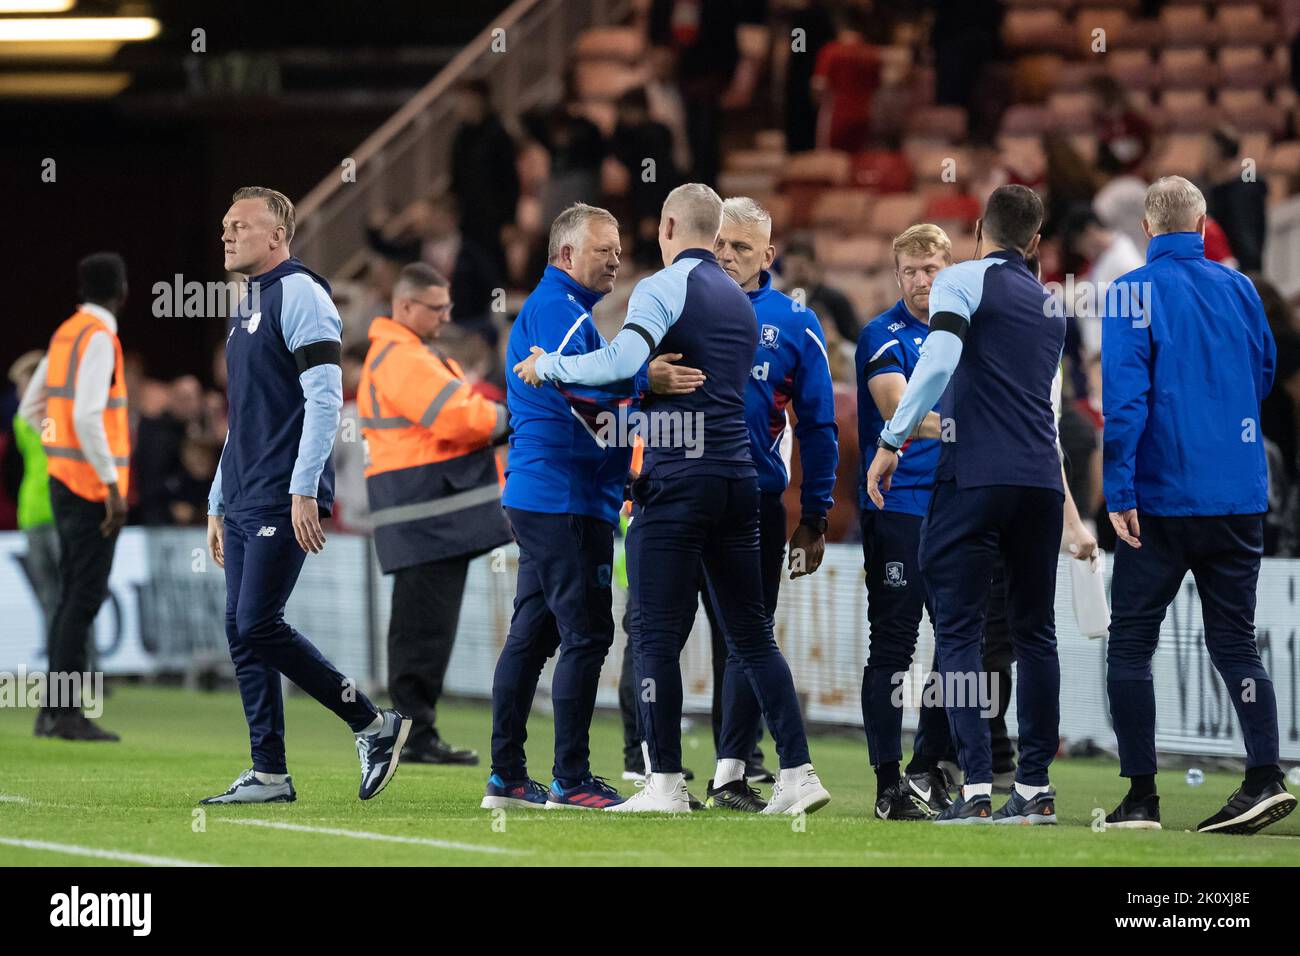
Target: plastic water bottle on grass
[(1195, 777)]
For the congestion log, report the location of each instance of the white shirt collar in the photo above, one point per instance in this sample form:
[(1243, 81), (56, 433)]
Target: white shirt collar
[(101, 313)]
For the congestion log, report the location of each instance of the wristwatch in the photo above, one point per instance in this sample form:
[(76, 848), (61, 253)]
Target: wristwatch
[(881, 443), (815, 522)]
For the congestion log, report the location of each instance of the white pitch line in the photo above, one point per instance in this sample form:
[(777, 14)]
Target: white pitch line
[(73, 850), (381, 837), (11, 798)]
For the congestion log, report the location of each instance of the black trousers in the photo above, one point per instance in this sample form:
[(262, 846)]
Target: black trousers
[(421, 632), (85, 560)]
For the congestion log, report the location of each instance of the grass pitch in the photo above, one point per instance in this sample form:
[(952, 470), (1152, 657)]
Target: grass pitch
[(135, 802)]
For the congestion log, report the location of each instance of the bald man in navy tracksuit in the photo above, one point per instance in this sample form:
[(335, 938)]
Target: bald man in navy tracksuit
[(992, 354), (697, 500)]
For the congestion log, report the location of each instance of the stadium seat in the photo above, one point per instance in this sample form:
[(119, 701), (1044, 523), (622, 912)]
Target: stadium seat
[(960, 210), (1187, 67), (848, 252), (1243, 24), (1025, 120), (848, 209), (1183, 154), (818, 166), (1283, 159), (1186, 25), (1138, 34), (884, 171), (1246, 66), (1070, 112), (1188, 110), (892, 214), (1133, 69), (1035, 29), (945, 123)]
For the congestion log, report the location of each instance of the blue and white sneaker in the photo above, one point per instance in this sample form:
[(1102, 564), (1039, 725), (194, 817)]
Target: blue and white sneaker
[(592, 794), (513, 794), (978, 809), (1038, 810), (380, 752), (248, 789)]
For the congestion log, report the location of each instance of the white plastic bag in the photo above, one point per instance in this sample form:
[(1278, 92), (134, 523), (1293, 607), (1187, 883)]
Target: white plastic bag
[(1088, 582)]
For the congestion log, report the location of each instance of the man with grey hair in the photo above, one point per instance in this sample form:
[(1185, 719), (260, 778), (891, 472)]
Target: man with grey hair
[(564, 489), (1187, 357), (696, 500)]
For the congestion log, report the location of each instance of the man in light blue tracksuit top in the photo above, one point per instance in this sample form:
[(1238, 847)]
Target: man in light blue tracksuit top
[(1187, 358)]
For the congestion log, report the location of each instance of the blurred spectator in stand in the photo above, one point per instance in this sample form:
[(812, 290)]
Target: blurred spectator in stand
[(800, 271), (1080, 430), (809, 16), (1123, 135), (432, 234), (1069, 182), (483, 175), (576, 148), (966, 38), (1237, 200), (1121, 205), (711, 73), (637, 139), (174, 457), (845, 80), (1280, 423), (1097, 256), (1216, 244), (666, 105)]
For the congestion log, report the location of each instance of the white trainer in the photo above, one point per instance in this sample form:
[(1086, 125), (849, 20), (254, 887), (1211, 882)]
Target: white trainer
[(797, 791), (659, 793)]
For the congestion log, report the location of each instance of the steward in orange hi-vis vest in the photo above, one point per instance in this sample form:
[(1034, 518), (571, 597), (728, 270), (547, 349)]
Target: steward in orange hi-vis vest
[(431, 475), (67, 460)]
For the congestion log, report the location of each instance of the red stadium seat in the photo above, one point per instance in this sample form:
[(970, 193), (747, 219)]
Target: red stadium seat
[(1243, 24), (1187, 67), (1186, 25), (947, 123), (882, 171), (1246, 66), (848, 209), (1026, 120)]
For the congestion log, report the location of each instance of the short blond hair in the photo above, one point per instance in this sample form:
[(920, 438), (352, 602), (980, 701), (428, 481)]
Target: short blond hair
[(1173, 204), (278, 203), (923, 239)]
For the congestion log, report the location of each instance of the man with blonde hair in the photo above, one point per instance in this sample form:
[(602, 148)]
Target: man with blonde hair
[(1187, 357)]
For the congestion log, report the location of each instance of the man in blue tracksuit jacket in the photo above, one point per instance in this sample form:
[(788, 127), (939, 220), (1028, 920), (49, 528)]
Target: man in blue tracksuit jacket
[(275, 480), (992, 353), (564, 488), (697, 500), (1187, 358)]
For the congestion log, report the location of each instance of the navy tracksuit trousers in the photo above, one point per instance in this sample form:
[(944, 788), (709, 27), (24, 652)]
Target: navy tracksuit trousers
[(562, 601), (1223, 554), (895, 596), (963, 533), (681, 522), (263, 561)]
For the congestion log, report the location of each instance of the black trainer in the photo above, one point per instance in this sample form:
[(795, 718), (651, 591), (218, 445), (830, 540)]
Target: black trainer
[(1244, 814), (900, 802), (932, 788), (1038, 810), (978, 809), (74, 725), (1141, 813), (438, 751), (736, 795), (755, 772)]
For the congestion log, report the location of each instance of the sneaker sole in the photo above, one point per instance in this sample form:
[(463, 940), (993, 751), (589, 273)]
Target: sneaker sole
[(556, 805), (624, 808), (809, 804), (712, 804), (285, 798), (632, 775), (1259, 816), (402, 732), (508, 803), (1134, 825), (1029, 820)]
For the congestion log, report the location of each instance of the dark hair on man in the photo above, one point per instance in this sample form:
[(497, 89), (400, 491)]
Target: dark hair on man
[(1012, 216), (1226, 142), (420, 275), (101, 278), (800, 245)]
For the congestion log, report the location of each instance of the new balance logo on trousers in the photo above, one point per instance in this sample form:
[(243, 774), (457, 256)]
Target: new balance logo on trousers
[(266, 531)]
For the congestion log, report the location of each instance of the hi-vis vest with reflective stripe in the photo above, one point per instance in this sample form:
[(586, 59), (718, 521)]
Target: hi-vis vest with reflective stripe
[(59, 436), (431, 475)]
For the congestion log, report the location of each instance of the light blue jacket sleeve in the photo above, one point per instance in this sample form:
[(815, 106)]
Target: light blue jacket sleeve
[(654, 306), (307, 316), (956, 292), (217, 504)]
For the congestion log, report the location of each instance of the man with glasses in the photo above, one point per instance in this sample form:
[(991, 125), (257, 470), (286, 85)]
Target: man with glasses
[(434, 494)]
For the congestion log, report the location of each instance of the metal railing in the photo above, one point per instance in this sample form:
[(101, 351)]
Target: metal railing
[(522, 55)]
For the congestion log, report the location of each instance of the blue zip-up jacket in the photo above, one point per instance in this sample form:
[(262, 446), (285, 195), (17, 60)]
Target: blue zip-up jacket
[(791, 368), (285, 391), (562, 459), (891, 344), (1186, 359)]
